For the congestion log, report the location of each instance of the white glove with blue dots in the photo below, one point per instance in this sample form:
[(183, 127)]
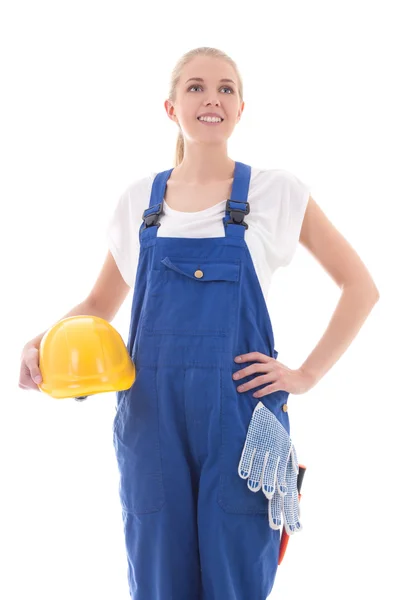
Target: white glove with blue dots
[(269, 461)]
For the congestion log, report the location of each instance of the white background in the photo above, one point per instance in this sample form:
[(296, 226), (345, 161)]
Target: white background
[(83, 85)]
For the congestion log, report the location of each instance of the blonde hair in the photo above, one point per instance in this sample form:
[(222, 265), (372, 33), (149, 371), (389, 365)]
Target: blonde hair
[(175, 76)]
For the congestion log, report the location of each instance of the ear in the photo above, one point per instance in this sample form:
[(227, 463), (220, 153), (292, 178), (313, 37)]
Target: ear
[(240, 112), (170, 110)]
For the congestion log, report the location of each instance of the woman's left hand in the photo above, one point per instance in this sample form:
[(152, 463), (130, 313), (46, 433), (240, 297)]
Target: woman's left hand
[(276, 374)]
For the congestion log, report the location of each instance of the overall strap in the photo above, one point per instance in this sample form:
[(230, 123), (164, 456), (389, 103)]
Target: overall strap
[(236, 207), (151, 215)]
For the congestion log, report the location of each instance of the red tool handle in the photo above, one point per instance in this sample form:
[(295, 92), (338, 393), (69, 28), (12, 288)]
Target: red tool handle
[(285, 536)]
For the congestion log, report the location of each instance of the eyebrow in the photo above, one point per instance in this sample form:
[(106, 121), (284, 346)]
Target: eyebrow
[(201, 79)]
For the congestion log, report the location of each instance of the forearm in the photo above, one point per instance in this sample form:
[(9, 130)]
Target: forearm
[(84, 308), (354, 306)]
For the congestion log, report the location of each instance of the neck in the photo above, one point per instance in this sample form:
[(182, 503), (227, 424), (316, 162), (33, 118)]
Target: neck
[(202, 165)]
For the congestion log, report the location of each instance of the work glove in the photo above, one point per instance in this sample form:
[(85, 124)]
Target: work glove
[(288, 505), (269, 461)]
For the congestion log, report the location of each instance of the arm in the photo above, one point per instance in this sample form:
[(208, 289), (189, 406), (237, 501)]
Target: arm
[(104, 300), (359, 292)]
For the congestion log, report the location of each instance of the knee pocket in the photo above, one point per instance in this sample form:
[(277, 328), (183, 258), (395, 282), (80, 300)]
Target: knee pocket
[(137, 446)]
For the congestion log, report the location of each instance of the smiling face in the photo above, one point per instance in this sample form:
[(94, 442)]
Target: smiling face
[(213, 94)]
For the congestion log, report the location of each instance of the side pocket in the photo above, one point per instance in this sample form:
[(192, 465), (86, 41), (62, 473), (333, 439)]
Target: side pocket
[(137, 446), (234, 496), (119, 408)]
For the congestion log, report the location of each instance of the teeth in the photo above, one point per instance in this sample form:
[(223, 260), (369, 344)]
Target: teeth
[(210, 119)]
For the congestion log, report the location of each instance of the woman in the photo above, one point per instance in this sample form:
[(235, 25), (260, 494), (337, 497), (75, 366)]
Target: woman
[(208, 470)]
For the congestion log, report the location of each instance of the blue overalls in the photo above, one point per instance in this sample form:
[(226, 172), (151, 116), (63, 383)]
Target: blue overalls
[(193, 529)]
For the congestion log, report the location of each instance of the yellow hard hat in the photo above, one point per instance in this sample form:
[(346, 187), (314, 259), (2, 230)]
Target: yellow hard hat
[(84, 355)]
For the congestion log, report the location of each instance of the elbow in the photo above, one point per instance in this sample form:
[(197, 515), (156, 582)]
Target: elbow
[(374, 292), (367, 288), (371, 293)]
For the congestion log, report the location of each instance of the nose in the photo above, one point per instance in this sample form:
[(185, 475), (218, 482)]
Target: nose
[(216, 103)]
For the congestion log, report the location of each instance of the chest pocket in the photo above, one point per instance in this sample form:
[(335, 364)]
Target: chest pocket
[(192, 297)]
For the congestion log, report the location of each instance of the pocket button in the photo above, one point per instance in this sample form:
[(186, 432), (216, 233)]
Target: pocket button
[(198, 273), (285, 408)]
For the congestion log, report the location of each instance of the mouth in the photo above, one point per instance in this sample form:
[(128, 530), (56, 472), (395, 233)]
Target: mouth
[(211, 122)]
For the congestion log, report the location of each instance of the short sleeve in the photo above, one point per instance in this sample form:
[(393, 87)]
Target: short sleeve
[(123, 228), (294, 200)]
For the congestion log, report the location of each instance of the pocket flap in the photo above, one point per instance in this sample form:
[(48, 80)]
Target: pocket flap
[(204, 271)]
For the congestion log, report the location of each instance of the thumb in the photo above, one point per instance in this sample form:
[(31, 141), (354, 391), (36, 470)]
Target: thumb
[(32, 362)]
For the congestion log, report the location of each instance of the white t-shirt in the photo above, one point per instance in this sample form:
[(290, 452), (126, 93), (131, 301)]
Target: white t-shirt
[(277, 199)]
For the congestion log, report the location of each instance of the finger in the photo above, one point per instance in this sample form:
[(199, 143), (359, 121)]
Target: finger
[(25, 378), (288, 513), (291, 514), (293, 468), (296, 514), (36, 375), (269, 477), (275, 511), (291, 502), (269, 389), (282, 473), (253, 462), (32, 363), (246, 459), (257, 470), (257, 381), (295, 462), (254, 368), (253, 356)]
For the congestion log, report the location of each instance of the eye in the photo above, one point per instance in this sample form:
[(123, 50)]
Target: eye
[(225, 87)]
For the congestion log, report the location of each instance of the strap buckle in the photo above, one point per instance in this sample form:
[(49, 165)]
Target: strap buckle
[(152, 218), (237, 215)]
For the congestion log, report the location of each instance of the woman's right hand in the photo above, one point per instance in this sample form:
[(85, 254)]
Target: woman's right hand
[(29, 368)]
